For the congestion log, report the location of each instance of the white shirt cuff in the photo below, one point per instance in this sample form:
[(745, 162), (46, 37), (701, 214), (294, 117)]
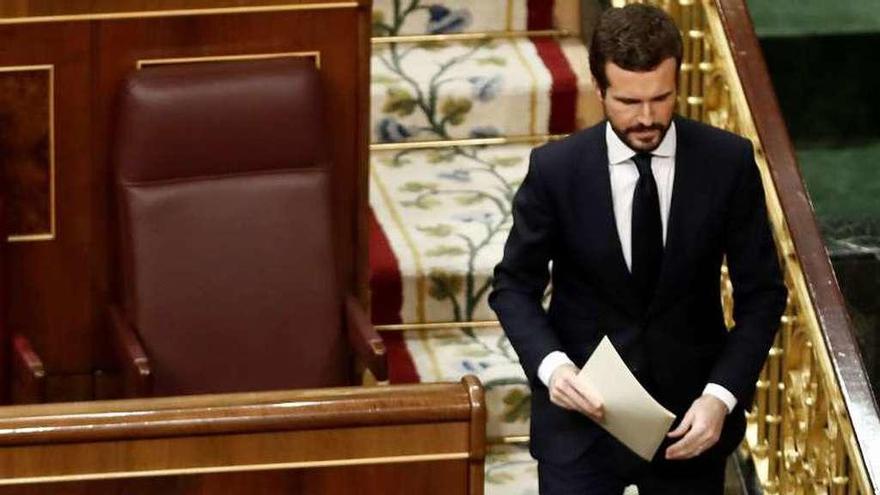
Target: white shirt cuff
[(552, 361), (721, 394)]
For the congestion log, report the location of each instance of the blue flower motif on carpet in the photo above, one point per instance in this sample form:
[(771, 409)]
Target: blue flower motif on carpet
[(474, 366), (486, 88), (392, 131), (443, 20), (457, 175)]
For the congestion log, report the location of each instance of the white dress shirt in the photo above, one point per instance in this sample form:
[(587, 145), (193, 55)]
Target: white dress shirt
[(624, 175)]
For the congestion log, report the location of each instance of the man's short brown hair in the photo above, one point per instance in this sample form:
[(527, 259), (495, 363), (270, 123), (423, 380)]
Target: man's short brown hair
[(637, 38)]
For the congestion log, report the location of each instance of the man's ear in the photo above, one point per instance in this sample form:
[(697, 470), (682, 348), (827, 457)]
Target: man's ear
[(599, 92)]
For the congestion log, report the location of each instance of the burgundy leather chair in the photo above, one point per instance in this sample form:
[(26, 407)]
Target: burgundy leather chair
[(229, 271)]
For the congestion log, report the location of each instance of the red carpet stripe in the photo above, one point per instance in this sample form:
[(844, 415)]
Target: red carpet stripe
[(564, 92), (386, 287), (540, 14)]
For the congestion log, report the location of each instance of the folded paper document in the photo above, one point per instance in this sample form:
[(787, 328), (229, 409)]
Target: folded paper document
[(631, 415)]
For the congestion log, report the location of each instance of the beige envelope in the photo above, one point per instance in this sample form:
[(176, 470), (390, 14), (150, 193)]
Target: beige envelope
[(631, 415)]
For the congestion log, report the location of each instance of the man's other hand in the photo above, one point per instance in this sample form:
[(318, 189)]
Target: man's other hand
[(565, 394), (700, 427)]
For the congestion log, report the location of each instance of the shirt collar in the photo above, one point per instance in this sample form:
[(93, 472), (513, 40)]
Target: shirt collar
[(619, 152)]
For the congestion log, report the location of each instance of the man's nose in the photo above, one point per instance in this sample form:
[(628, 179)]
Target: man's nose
[(646, 114)]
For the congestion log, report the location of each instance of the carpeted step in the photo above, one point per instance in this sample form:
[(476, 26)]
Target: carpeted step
[(439, 221), (439, 217), (417, 17), (474, 89), (449, 354), (510, 470)]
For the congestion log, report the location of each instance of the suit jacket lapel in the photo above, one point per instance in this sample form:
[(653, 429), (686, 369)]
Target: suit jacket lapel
[(610, 262), (686, 196)]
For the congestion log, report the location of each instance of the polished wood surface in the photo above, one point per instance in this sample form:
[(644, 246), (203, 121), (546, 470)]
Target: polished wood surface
[(64, 285), (54, 281), (237, 413), (422, 478), (19, 9), (26, 148), (808, 245), (426, 439), (392, 430)]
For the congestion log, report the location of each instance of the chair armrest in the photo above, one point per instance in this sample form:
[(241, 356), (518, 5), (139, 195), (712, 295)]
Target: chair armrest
[(136, 371), (29, 374), (364, 339)]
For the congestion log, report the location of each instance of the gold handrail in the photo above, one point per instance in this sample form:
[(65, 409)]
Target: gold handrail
[(800, 433)]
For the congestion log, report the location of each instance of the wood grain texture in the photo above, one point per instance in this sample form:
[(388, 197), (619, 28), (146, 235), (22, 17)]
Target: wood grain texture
[(428, 437), (25, 148), (423, 478), (57, 282), (12, 9), (244, 412)]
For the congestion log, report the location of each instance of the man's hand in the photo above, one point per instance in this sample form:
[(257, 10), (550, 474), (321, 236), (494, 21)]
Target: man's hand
[(565, 394), (701, 427)]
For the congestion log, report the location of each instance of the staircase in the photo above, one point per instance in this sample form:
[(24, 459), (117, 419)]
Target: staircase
[(461, 93)]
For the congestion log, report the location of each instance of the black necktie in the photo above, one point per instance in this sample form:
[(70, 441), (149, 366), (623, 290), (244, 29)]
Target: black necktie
[(647, 230)]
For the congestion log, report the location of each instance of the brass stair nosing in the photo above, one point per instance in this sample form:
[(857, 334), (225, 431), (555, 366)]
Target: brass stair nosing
[(425, 327), (476, 36), (452, 143), (508, 440)]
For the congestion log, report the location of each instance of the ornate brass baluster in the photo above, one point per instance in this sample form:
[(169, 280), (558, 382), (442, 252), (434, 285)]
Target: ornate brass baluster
[(697, 36), (687, 65)]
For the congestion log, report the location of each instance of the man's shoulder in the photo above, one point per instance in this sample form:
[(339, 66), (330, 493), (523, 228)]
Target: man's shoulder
[(700, 135), (567, 152)]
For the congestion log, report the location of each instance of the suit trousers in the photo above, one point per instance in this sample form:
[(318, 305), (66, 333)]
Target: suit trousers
[(602, 471)]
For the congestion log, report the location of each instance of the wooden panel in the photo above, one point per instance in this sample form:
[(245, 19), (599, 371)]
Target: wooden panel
[(272, 450), (423, 478), (241, 413), (26, 149), (12, 9), (55, 283), (429, 438)]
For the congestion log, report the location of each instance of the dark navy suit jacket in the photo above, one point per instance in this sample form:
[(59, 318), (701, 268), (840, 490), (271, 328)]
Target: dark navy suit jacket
[(675, 343)]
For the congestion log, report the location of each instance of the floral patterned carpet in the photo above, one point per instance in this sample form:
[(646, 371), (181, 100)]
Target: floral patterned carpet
[(440, 214)]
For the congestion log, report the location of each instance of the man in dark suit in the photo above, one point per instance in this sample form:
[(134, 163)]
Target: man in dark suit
[(636, 216)]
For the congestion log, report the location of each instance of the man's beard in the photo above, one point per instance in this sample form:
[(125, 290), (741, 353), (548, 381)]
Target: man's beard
[(635, 145)]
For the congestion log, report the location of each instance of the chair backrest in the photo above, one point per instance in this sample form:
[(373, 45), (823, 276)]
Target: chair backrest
[(225, 227)]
